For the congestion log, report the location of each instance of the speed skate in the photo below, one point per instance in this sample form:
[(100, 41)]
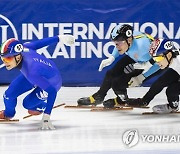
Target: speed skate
[(56, 106), (141, 107), (97, 108), (116, 108), (8, 120), (152, 113)]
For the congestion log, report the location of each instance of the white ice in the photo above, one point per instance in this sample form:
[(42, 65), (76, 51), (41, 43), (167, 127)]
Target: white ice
[(83, 131)]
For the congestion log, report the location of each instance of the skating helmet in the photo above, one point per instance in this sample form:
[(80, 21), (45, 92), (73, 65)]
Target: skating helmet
[(161, 46), (121, 32), (11, 47)]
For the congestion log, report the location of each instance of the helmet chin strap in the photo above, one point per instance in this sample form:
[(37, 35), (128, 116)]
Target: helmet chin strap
[(18, 60), (127, 44), (168, 60)]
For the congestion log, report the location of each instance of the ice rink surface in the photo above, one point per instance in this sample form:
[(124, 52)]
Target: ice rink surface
[(80, 131)]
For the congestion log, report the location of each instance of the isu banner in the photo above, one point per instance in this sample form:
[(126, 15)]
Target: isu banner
[(90, 22)]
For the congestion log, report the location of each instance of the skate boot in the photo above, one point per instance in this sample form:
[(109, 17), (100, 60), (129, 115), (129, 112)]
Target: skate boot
[(119, 100), (165, 108), (31, 112), (110, 103), (92, 100), (2, 116), (138, 102)]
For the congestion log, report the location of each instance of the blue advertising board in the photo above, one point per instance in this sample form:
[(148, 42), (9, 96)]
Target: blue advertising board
[(90, 22)]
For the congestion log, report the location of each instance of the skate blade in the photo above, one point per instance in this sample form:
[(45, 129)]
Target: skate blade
[(80, 106), (7, 121), (111, 109), (140, 107), (56, 106), (151, 113)]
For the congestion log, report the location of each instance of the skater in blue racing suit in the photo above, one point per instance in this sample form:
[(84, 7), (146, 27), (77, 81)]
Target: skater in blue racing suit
[(38, 74), (134, 46)]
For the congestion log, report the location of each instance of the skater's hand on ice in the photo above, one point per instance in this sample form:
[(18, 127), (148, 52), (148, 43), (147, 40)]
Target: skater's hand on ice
[(106, 62), (46, 123), (67, 39), (136, 81)]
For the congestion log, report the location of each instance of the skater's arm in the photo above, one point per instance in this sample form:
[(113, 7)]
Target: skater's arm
[(41, 43), (149, 67), (46, 122), (109, 60), (52, 93), (66, 39), (44, 84), (152, 70), (138, 80), (115, 52)]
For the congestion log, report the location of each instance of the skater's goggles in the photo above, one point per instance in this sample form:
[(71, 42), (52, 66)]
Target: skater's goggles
[(7, 59), (120, 43), (158, 58)]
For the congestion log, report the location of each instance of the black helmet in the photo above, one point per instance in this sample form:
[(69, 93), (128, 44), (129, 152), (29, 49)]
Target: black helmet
[(121, 32)]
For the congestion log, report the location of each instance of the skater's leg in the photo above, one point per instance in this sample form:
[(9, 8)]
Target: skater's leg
[(35, 101), (114, 73), (165, 80), (172, 83), (17, 87), (172, 93), (117, 70), (119, 86)]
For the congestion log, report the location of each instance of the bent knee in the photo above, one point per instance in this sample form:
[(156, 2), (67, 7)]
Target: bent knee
[(9, 113), (8, 95)]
